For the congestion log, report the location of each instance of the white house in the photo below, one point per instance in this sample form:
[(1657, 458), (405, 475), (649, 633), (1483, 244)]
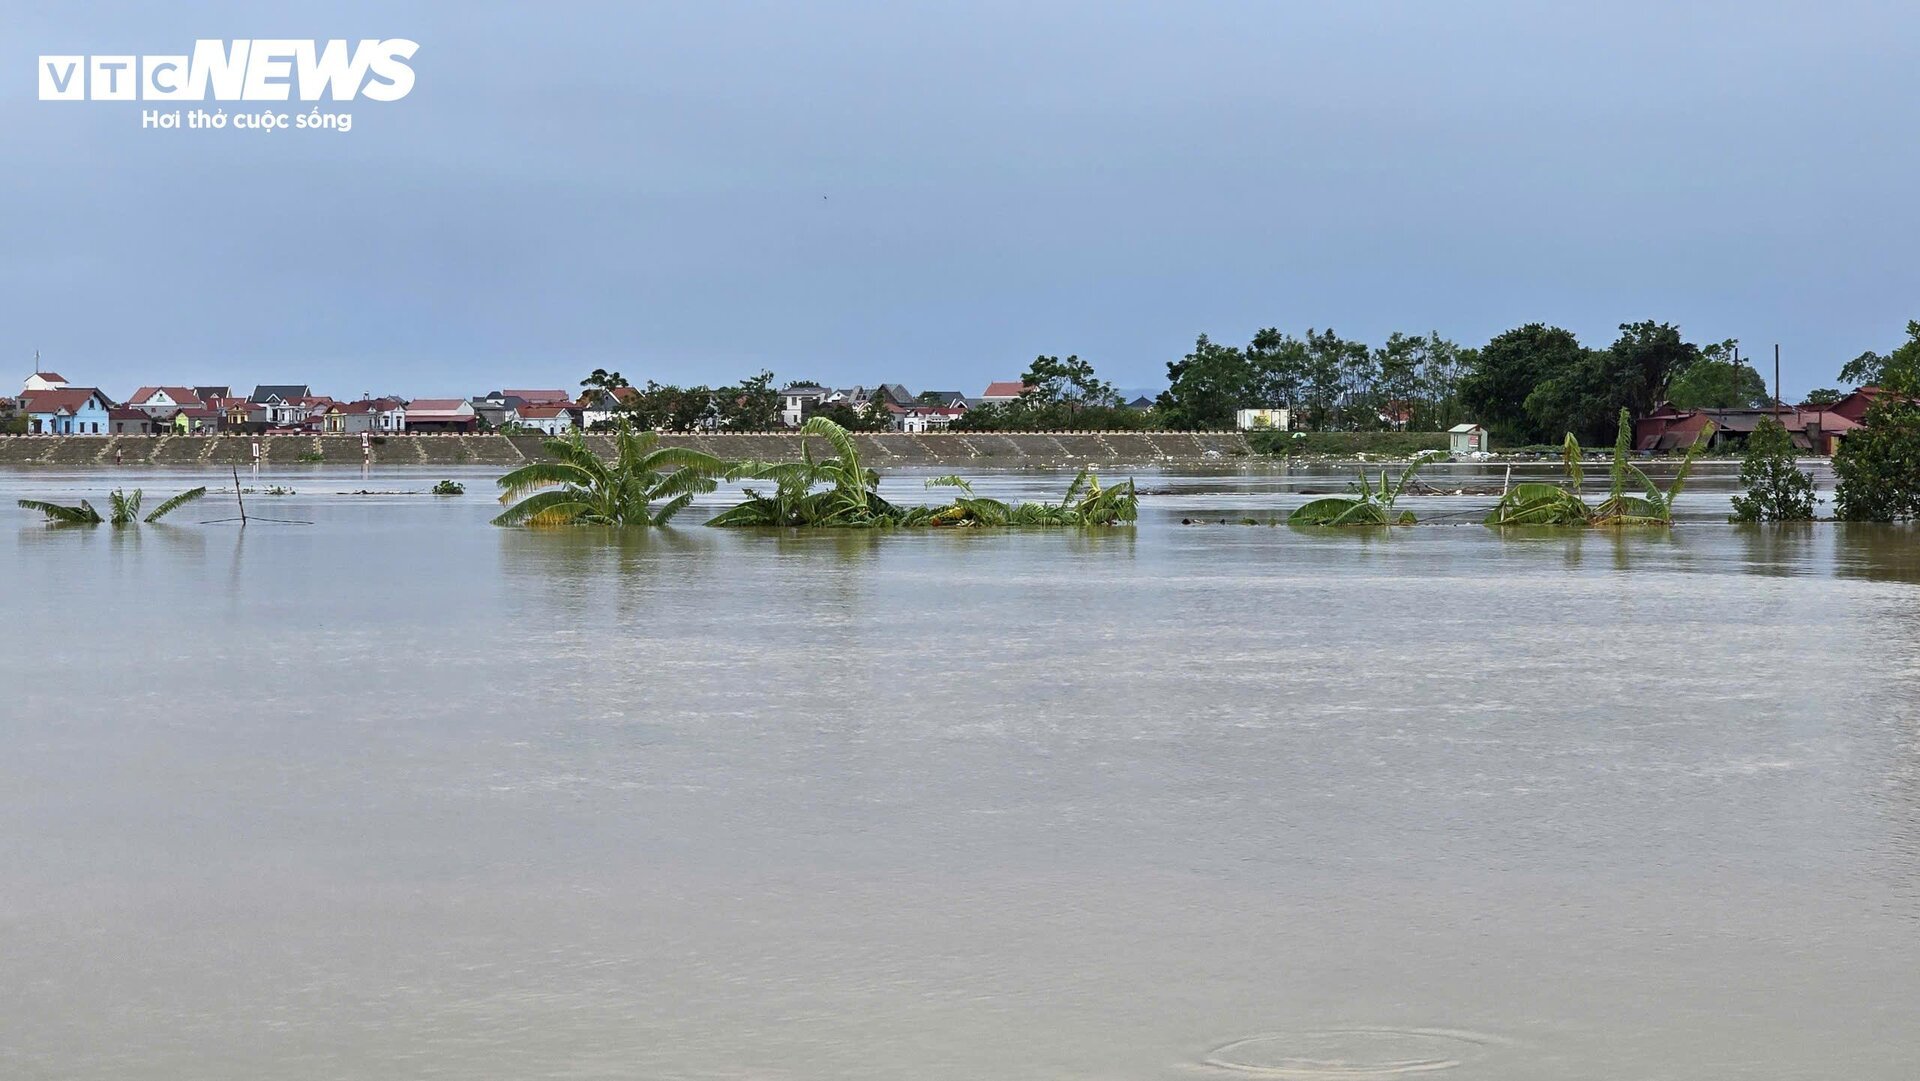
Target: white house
[(924, 418), (1248, 419), (552, 418), (161, 403), (1003, 391), (1468, 439), (795, 399), (44, 381), (377, 416)]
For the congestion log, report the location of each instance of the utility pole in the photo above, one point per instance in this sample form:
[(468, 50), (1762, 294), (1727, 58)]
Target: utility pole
[(1777, 402)]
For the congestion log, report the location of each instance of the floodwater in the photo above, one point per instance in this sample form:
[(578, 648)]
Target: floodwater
[(398, 795)]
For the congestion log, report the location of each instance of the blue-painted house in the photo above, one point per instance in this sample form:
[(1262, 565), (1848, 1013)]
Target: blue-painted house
[(67, 411)]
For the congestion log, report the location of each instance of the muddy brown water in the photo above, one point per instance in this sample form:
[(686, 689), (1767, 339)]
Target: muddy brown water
[(397, 794)]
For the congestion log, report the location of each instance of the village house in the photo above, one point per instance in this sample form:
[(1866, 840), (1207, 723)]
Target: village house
[(161, 403), (1003, 391), (923, 418), (67, 411), (945, 399), (493, 416), (796, 400), (375, 416), (44, 381), (1814, 429), (127, 420), (539, 397), (197, 420), (599, 407), (287, 405), (441, 415), (551, 418)]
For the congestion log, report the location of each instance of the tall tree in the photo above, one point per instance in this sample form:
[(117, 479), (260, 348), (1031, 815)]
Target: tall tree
[(1642, 361), (1206, 386), (1070, 383), (1506, 371), (1277, 367)]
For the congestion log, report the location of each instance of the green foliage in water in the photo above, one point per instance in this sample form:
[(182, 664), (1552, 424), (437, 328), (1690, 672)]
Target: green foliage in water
[(1086, 503), (123, 508), (1538, 504), (580, 488), (1774, 489), (449, 487), (839, 492), (1370, 504), (1878, 466), (835, 491)]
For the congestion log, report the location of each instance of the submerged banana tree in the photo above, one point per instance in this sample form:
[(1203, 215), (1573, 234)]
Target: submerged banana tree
[(1539, 503), (1369, 505), (580, 488), (1535, 503), (1086, 503), (1654, 506), (123, 508), (832, 492)]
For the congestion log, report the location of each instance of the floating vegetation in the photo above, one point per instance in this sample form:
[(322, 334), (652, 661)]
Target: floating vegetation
[(1371, 504), (449, 487), (581, 488)]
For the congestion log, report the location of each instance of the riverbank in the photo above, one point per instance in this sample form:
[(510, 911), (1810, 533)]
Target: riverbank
[(1102, 449)]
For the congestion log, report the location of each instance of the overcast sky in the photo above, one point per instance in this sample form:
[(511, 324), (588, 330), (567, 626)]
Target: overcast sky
[(932, 194)]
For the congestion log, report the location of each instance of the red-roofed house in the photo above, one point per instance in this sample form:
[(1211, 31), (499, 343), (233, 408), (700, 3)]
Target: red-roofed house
[(538, 397), (1004, 391), (126, 420), (380, 416), (553, 418), (67, 411), (44, 381), (161, 403), (441, 415), (924, 418)]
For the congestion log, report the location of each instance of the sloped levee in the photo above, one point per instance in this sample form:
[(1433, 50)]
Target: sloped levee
[(895, 449)]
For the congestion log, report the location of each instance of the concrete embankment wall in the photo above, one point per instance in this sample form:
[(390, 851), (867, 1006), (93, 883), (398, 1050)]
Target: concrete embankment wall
[(880, 451)]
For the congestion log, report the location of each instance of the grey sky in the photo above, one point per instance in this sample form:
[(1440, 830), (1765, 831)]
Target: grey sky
[(935, 193)]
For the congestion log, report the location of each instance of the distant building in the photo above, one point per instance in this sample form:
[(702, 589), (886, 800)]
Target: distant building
[(44, 381), (161, 403), (1003, 391), (924, 418), (67, 411), (945, 399), (1816, 429), (373, 416), (552, 418), (1141, 404), (599, 407), (536, 397), (1468, 439), (796, 400), (494, 415), (126, 420), (1250, 419), (441, 415)]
